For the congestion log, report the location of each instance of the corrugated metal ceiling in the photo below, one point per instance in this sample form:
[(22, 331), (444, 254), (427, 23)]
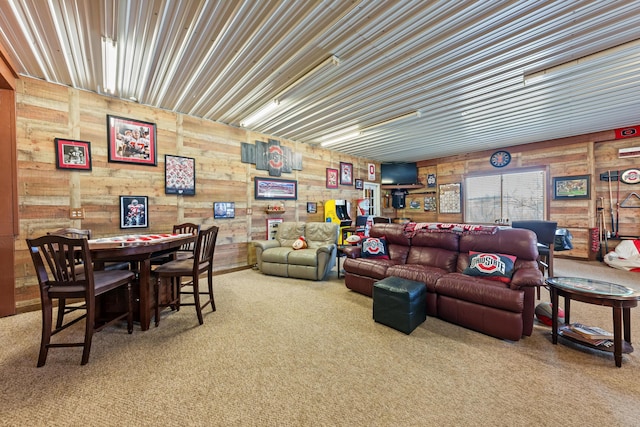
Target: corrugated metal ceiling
[(460, 63)]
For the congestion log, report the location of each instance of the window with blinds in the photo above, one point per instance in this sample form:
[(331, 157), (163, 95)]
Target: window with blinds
[(505, 197)]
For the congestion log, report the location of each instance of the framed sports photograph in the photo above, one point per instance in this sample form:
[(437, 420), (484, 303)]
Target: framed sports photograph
[(272, 227), (179, 175), (346, 173), (131, 141), (133, 212), (572, 187), (312, 207), (224, 210), (332, 178), (71, 154), (271, 188), (359, 184)]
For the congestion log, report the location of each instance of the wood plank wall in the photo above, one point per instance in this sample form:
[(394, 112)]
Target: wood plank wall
[(46, 111), (589, 154)]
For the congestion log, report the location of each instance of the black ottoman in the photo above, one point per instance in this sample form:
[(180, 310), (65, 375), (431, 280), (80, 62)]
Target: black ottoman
[(400, 303)]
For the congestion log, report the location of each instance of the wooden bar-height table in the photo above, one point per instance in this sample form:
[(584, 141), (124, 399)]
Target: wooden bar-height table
[(138, 251)]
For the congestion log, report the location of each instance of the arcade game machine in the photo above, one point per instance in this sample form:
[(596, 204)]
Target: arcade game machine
[(338, 211)]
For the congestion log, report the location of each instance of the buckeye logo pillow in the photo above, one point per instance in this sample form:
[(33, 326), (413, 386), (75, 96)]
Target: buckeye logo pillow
[(491, 266)]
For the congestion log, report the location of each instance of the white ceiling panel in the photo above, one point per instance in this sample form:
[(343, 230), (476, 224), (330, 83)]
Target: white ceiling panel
[(459, 63)]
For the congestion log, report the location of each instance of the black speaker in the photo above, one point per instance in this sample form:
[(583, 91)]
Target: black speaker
[(398, 199)]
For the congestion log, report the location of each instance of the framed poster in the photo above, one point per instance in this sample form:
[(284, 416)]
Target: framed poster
[(450, 198), (179, 175), (131, 141), (359, 184), (224, 210), (133, 212), (332, 178), (272, 227), (271, 188), (71, 154), (312, 207), (346, 173), (572, 187)]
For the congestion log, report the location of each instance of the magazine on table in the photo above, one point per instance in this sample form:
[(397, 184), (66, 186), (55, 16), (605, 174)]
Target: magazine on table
[(591, 332), (567, 331)]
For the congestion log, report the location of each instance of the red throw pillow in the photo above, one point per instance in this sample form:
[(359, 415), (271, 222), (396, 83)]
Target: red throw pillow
[(375, 247), (491, 266)]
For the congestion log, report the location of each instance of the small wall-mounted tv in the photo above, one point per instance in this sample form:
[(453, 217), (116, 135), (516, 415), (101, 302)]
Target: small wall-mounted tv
[(399, 173)]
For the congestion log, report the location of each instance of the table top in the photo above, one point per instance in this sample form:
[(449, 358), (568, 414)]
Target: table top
[(593, 287)]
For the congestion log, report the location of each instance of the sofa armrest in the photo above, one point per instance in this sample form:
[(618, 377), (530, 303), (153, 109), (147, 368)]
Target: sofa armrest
[(331, 248), (352, 251), (266, 244), (526, 277)]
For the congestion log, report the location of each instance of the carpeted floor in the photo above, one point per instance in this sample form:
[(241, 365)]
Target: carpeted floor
[(286, 352)]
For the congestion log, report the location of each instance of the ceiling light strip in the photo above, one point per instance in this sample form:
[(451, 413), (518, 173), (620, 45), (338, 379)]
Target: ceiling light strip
[(534, 77), (413, 114), (331, 60)]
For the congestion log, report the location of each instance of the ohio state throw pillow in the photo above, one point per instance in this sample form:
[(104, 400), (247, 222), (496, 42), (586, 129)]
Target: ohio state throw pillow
[(491, 266), (374, 247)]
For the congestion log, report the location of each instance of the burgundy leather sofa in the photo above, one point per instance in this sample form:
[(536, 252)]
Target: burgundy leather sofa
[(502, 310)]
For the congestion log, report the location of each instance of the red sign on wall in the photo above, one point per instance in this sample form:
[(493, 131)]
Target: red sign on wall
[(628, 132)]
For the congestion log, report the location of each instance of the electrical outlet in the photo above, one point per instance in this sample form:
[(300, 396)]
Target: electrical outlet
[(249, 211), (76, 213)]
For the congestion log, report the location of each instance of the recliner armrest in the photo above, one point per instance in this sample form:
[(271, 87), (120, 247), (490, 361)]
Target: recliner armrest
[(266, 244), (326, 248), (526, 277), (352, 251)]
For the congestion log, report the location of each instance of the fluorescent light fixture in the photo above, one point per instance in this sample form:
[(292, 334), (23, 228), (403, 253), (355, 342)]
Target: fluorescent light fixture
[(416, 114), (260, 113), (270, 107), (332, 60), (109, 64), (530, 78), (339, 136)]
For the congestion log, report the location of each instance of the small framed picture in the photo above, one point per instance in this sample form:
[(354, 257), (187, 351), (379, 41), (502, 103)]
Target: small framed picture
[(572, 187), (133, 212), (179, 175), (131, 141), (332, 178), (224, 210), (312, 207), (346, 173), (359, 184), (72, 154), (272, 227)]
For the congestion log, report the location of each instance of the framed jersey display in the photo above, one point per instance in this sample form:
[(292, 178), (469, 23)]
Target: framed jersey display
[(131, 141)]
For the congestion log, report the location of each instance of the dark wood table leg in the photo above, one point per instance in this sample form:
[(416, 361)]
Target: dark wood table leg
[(567, 310), (554, 314), (617, 335), (626, 323), (145, 294)]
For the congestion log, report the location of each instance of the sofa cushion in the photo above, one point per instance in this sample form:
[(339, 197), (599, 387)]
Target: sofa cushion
[(375, 268), (491, 266), (307, 257), (289, 232), (375, 247), (277, 255), (419, 273), (480, 291), (320, 234)]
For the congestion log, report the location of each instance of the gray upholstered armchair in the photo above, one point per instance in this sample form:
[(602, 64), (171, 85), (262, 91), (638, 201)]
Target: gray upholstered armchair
[(279, 258)]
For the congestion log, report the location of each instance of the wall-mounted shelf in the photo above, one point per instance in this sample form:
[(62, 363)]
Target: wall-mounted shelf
[(401, 187), (270, 211)]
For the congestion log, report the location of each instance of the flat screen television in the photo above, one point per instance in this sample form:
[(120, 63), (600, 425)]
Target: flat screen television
[(399, 173)]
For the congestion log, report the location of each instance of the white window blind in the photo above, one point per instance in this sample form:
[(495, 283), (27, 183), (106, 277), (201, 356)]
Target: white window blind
[(501, 197)]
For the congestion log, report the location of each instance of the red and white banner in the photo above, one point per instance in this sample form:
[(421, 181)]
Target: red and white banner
[(628, 132)]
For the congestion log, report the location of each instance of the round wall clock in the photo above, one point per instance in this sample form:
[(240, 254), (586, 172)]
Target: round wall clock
[(500, 159)]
